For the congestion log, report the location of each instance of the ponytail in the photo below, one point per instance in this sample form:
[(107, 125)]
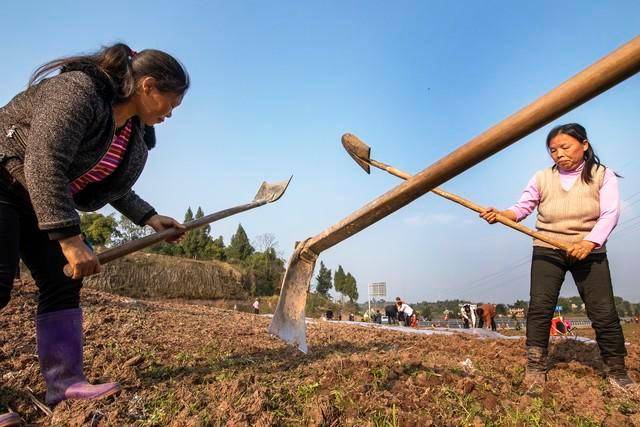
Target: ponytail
[(123, 67)]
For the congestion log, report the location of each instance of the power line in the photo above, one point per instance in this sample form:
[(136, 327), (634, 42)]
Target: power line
[(625, 224), (630, 204), (497, 274), (504, 282), (632, 196), (629, 230)]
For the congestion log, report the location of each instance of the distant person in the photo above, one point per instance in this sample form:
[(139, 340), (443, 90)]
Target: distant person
[(76, 139), (517, 325), (256, 307), (391, 311), (329, 314), (378, 317), (560, 326), (578, 202), (486, 316), (407, 312), (468, 316), (351, 317)]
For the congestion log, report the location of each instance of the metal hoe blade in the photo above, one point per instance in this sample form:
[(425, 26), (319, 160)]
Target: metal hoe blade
[(269, 193), (289, 320), (358, 150)]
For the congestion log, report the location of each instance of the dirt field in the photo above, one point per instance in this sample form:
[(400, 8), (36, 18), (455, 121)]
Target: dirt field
[(198, 365)]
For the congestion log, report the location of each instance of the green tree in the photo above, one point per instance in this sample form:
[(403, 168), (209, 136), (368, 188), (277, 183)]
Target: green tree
[(188, 215), (128, 231), (626, 306), (351, 287), (323, 280), (218, 249), (197, 244), (521, 304), (188, 243), (98, 228), (339, 278), (501, 309), (619, 302), (165, 248), (266, 271), (240, 248)]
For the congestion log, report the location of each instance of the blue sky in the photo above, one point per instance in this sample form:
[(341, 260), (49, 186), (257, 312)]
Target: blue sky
[(275, 85)]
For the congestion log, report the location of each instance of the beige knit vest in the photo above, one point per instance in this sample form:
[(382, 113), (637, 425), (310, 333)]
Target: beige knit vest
[(567, 215)]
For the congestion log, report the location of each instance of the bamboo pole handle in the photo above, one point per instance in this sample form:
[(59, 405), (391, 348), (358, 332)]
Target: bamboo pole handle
[(474, 207)]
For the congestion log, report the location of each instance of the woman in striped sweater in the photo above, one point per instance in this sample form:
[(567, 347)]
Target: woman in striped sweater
[(578, 202), (76, 141)]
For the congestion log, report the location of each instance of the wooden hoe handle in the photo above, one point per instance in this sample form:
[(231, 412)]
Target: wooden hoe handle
[(474, 207)]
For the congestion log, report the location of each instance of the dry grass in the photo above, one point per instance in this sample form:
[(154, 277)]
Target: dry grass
[(144, 275)]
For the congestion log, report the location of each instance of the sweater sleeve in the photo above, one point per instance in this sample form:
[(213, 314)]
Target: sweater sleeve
[(528, 200), (134, 208), (62, 114), (609, 209)]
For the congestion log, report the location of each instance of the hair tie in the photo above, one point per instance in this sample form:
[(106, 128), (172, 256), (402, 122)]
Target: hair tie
[(132, 53)]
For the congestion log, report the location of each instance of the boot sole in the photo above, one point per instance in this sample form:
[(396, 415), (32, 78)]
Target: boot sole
[(110, 393), (101, 396)]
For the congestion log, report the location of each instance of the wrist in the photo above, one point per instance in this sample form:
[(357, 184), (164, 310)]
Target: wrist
[(145, 219), (509, 214), (70, 241), (150, 219)]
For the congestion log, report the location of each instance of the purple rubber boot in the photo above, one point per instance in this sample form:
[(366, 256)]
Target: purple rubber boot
[(10, 419), (59, 337)]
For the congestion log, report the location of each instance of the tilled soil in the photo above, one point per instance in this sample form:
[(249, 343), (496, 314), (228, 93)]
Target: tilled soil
[(185, 364)]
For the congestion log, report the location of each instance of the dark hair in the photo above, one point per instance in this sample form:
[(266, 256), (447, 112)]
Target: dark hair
[(124, 68), (579, 133)]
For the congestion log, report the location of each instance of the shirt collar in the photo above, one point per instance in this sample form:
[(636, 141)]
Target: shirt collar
[(576, 171)]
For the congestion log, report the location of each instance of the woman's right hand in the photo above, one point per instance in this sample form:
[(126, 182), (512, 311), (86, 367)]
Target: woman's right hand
[(82, 260), (490, 215)]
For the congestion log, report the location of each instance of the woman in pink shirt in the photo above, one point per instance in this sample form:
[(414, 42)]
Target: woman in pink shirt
[(578, 202)]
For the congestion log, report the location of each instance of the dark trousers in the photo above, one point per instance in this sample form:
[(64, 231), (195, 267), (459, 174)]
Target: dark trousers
[(592, 277), (21, 238)]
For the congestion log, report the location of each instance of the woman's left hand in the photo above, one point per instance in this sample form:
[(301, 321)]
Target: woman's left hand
[(581, 250), (161, 222)]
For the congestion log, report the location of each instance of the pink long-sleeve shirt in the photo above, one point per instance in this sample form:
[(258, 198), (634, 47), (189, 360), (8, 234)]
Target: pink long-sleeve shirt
[(609, 202)]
